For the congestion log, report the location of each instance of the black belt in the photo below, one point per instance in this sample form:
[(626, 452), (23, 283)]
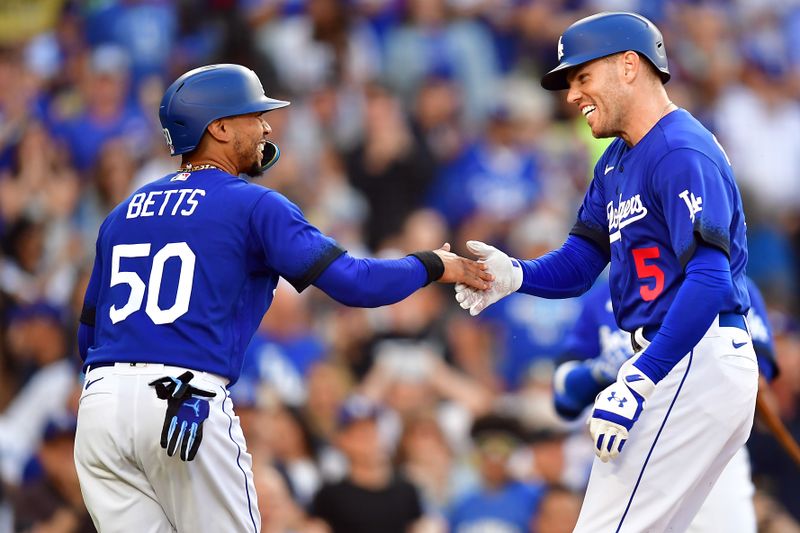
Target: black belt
[(726, 320), (101, 364)]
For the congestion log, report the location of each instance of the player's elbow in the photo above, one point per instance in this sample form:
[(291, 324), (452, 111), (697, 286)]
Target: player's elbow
[(709, 268)]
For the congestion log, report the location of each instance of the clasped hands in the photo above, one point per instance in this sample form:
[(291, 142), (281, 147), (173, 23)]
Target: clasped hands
[(507, 274)]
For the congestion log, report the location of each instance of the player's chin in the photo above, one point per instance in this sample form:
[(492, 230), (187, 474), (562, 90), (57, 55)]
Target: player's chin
[(599, 133), (254, 170)]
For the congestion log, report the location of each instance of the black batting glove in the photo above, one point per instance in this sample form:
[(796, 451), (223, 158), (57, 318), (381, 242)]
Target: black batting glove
[(187, 409)]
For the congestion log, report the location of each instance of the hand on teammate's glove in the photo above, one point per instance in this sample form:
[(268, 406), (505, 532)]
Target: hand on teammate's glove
[(507, 278), (187, 409), (616, 409)]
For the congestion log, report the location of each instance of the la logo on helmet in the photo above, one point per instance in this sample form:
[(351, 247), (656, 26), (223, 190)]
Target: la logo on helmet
[(560, 48), (168, 138)]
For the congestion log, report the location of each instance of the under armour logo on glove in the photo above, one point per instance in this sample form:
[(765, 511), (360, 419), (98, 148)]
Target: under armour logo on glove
[(613, 415), (614, 397), (187, 409)]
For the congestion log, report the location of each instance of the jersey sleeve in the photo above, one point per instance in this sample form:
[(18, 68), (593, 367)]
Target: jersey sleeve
[(592, 219), (89, 311), (292, 247), (696, 201), (92, 290)]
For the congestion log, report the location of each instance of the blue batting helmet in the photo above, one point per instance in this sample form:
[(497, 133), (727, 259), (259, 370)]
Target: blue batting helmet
[(205, 94), (602, 35)]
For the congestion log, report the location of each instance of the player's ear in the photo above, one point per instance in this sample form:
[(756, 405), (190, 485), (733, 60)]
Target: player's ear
[(631, 65), (220, 130)]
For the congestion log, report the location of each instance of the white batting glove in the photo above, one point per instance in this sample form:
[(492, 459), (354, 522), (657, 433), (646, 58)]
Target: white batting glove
[(507, 278), (616, 409)]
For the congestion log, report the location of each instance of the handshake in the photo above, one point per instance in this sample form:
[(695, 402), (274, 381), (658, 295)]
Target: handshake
[(500, 276)]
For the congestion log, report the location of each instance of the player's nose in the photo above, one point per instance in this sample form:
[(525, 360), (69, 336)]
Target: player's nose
[(266, 127), (573, 95)]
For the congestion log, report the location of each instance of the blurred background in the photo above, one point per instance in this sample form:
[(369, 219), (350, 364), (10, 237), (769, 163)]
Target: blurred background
[(413, 122)]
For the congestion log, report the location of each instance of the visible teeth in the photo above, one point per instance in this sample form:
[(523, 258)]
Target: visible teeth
[(588, 109)]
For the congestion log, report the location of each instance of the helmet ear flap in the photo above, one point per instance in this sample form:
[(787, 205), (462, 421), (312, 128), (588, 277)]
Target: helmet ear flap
[(271, 155)]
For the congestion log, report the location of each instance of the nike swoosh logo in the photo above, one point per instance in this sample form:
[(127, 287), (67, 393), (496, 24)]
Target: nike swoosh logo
[(608, 169), (90, 382), (737, 345)]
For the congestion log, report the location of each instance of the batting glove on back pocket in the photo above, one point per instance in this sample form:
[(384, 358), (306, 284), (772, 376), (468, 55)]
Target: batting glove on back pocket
[(617, 408), (187, 409)]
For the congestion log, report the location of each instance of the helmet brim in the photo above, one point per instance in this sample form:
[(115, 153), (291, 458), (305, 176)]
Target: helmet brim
[(556, 79), (262, 105)]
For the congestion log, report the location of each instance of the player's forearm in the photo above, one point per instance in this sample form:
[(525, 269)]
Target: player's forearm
[(697, 303), (564, 273), (371, 282)]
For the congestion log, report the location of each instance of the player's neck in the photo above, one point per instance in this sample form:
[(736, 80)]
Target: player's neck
[(201, 159), (645, 114)]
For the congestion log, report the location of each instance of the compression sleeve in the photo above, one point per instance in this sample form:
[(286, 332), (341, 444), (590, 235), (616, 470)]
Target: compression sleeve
[(566, 272), (696, 304), (371, 282)]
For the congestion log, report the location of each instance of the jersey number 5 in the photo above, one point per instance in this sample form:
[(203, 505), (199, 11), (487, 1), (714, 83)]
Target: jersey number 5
[(179, 250), (644, 270)]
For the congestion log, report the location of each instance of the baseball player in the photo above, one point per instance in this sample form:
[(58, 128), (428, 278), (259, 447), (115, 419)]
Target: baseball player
[(664, 210), (185, 268), (599, 349)]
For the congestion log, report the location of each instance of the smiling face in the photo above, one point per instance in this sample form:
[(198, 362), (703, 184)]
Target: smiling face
[(599, 92), (249, 139)]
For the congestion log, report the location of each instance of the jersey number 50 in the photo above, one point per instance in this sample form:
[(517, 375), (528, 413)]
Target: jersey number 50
[(179, 250)]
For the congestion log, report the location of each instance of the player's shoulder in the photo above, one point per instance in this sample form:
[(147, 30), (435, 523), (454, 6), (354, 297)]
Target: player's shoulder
[(683, 136)]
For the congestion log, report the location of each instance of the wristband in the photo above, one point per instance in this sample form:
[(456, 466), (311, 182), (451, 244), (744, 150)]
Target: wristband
[(433, 264)]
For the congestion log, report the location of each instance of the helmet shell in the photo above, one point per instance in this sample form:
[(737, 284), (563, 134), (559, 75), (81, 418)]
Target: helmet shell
[(602, 35), (206, 94)]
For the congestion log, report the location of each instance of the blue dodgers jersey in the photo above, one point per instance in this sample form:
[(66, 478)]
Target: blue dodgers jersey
[(596, 336), (187, 267), (647, 206)]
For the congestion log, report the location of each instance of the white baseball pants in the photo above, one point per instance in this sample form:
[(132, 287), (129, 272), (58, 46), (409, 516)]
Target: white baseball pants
[(697, 418), (729, 505), (128, 481)]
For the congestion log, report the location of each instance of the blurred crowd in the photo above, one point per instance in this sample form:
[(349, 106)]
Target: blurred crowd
[(413, 123)]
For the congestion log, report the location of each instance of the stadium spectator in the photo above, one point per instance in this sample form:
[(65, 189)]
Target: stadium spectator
[(502, 503), (372, 497)]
